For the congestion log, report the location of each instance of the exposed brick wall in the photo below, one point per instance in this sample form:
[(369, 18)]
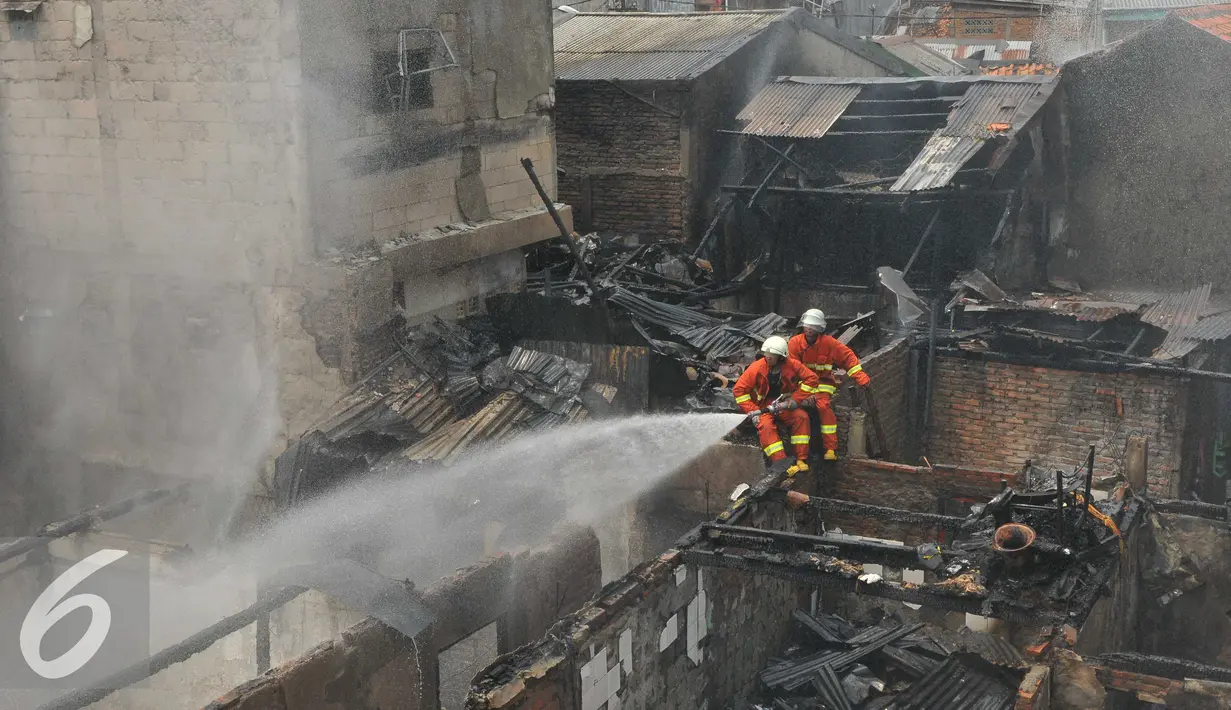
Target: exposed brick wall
[(382, 668), (890, 389), (997, 415), (651, 206), (631, 152), (919, 489), (742, 620), (972, 24)]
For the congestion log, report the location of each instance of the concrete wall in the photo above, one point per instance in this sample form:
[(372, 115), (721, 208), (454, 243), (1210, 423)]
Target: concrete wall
[(150, 158), (171, 172), (666, 635), (377, 173), (524, 592), (1150, 199), (996, 415)]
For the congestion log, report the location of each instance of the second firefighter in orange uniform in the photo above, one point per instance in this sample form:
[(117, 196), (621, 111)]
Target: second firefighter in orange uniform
[(820, 353), (762, 384)]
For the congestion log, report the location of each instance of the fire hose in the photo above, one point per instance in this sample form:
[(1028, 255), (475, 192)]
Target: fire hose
[(783, 404)]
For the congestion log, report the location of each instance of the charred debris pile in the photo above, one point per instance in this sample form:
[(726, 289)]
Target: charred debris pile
[(832, 664), (1120, 329), (446, 388)]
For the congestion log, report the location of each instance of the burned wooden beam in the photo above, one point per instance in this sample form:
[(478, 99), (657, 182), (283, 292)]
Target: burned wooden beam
[(1195, 508), (1165, 666), (897, 515)]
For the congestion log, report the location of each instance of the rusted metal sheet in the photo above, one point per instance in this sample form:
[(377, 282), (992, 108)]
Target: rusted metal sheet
[(651, 47), (1094, 311), (625, 367), (797, 110), (987, 105), (938, 162), (1212, 328), (1178, 309)]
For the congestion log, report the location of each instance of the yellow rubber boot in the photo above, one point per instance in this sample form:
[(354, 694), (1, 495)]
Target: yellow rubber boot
[(831, 456), (800, 466)]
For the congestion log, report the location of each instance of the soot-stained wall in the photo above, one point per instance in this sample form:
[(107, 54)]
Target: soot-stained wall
[(1150, 187), (998, 415), (665, 635)]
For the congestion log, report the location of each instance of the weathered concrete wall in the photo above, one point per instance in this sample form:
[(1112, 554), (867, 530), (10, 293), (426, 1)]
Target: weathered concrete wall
[(525, 592), (996, 415), (151, 159), (1113, 621), (1150, 196), (666, 635), (450, 154)]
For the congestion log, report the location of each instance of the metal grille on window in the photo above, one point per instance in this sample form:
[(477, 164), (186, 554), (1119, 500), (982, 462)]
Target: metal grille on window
[(421, 51)]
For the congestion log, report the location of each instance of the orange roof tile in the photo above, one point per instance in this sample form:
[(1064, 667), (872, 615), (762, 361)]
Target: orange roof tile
[(1021, 69), (1215, 19)]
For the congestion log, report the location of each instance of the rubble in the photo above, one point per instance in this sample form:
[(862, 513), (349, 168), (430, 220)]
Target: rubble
[(893, 665)]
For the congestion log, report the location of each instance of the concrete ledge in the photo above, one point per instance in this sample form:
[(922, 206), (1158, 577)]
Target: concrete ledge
[(458, 243)]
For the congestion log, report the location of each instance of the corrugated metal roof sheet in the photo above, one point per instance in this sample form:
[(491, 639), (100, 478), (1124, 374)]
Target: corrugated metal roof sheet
[(988, 108), (1095, 311), (1178, 309), (1138, 5), (787, 108), (997, 50), (937, 163), (958, 684), (988, 103), (1213, 328), (635, 46), (1215, 19), (921, 56)]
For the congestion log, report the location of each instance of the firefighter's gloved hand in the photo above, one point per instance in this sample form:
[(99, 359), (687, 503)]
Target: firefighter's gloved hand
[(810, 402)]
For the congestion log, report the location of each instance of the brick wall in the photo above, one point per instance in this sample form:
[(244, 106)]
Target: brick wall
[(384, 669), (631, 152), (920, 489), (890, 389), (996, 415), (970, 24), (666, 635)]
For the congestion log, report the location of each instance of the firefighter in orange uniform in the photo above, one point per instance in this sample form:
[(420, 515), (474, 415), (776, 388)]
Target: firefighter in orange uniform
[(762, 384), (820, 353)]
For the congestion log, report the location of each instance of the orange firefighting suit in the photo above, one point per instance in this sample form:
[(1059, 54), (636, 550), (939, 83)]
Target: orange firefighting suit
[(752, 392), (820, 357)]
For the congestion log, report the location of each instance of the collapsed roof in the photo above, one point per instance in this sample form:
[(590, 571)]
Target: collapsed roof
[(945, 122)]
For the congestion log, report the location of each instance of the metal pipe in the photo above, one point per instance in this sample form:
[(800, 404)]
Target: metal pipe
[(171, 655), (1060, 504), (927, 398), (86, 520), (568, 239), (922, 240), (1086, 502)]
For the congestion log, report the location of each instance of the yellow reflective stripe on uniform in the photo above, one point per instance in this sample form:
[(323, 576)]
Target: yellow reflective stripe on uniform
[(743, 398), (773, 448), (803, 439), (829, 428), (810, 389), (853, 370), (826, 389), (819, 368)]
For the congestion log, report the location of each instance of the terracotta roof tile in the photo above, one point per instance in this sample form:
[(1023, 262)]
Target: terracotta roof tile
[(1215, 19)]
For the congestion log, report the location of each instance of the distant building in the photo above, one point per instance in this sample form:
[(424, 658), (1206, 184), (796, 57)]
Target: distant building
[(640, 98)]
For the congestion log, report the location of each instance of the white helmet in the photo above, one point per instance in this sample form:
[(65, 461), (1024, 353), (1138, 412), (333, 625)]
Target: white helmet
[(774, 345), (813, 318)]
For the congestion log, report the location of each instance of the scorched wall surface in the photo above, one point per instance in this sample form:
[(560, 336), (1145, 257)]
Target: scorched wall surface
[(621, 158), (998, 416)]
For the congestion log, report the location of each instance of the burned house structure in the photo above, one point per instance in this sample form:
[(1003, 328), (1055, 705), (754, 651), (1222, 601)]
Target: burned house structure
[(639, 96), (936, 174)]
